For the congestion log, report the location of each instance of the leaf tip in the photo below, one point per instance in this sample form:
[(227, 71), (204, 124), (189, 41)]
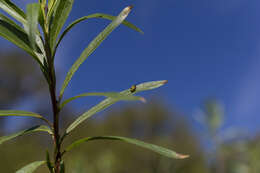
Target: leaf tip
[(127, 10), (142, 99), (183, 156), (130, 7), (164, 82)]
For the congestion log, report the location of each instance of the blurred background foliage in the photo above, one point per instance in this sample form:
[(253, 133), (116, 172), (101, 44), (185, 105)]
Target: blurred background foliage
[(153, 122)]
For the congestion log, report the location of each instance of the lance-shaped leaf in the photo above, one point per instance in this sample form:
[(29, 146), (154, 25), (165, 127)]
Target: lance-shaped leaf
[(48, 162), (160, 150), (13, 10), (110, 101), (31, 167), (93, 45), (24, 132), (96, 15), (60, 16), (32, 18), (23, 114), (15, 34), (113, 95)]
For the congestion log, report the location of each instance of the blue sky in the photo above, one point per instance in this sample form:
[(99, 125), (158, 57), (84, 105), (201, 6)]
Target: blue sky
[(203, 48)]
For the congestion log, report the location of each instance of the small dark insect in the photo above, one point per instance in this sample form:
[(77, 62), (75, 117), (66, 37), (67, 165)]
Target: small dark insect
[(133, 88)]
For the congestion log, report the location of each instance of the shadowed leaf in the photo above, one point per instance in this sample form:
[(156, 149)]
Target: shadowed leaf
[(31, 167), (24, 132)]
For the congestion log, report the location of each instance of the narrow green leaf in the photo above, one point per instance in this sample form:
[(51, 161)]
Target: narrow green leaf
[(22, 114), (62, 167), (24, 132), (15, 34), (96, 15), (93, 45), (31, 167), (110, 101), (32, 18), (48, 162), (113, 95), (60, 16), (160, 150), (13, 10)]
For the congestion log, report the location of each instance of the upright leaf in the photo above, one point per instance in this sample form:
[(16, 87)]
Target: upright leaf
[(93, 45), (160, 150), (96, 15), (32, 18), (24, 132), (13, 10), (60, 16), (48, 162), (15, 34), (31, 167), (110, 101)]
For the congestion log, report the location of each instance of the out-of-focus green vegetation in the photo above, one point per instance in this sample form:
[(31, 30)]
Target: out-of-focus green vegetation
[(152, 122)]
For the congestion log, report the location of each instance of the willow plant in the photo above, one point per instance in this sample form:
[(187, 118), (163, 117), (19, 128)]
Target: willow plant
[(38, 31)]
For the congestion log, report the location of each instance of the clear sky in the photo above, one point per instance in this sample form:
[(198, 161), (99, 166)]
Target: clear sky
[(203, 48)]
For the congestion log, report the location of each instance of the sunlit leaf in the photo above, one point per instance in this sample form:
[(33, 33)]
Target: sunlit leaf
[(13, 10), (160, 150), (24, 132), (93, 45), (32, 18), (96, 15), (60, 16), (15, 34), (113, 95), (31, 167), (110, 101)]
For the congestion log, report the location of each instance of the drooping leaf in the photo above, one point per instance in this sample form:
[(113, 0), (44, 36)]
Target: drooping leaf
[(160, 150), (22, 114), (93, 45), (31, 167), (60, 16), (110, 101), (24, 132), (113, 95), (32, 18), (13, 10), (96, 15)]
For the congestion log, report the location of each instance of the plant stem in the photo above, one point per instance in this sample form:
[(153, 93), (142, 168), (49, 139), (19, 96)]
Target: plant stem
[(55, 106)]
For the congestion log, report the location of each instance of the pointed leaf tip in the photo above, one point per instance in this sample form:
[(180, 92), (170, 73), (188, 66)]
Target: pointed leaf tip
[(165, 82), (142, 99), (130, 7), (182, 156)]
